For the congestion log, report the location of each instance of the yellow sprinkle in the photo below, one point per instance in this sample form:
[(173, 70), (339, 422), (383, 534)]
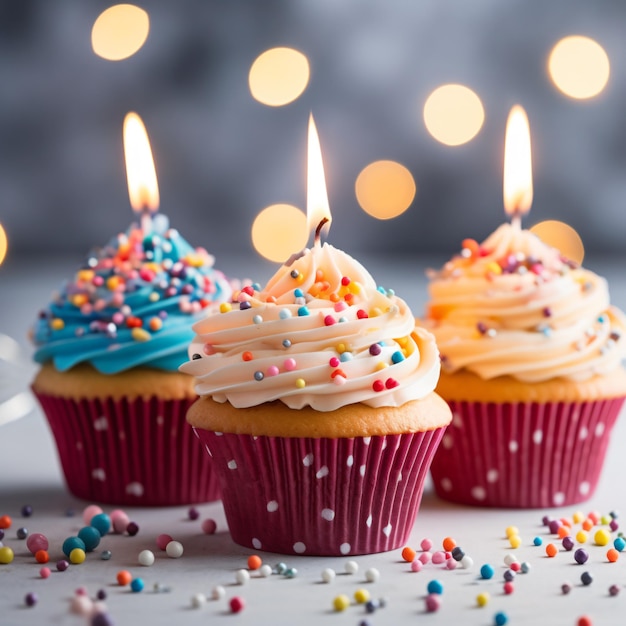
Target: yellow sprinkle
[(354, 288), (606, 520), (154, 297), (482, 599), (512, 530), (515, 541), (57, 324), (341, 348), (225, 307), (341, 603), (361, 596), (578, 517), (402, 341), (195, 260), (300, 383), (85, 276), (140, 334), (581, 536), (79, 299), (602, 537), (300, 278), (375, 312), (113, 283), (77, 556), (381, 366), (494, 268)]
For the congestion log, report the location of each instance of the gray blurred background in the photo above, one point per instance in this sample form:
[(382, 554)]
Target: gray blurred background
[(221, 156)]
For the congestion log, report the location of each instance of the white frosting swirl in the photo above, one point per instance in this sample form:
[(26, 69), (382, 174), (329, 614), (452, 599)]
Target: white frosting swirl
[(321, 334), (514, 306)]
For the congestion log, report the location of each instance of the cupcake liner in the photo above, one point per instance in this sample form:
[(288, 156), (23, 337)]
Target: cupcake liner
[(136, 452), (525, 455), (321, 496)]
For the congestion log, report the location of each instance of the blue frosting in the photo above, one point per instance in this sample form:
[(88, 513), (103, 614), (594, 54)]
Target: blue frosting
[(132, 303)]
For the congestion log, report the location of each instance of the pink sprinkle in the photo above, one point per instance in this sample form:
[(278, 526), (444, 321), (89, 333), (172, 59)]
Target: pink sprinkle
[(329, 320), (433, 602), (120, 522), (451, 564), (334, 362), (162, 541), (44, 572), (117, 318), (81, 605), (209, 526), (339, 380), (86, 309), (290, 364), (508, 588), (426, 544), (272, 370), (90, 511), (81, 591), (209, 349), (439, 557), (425, 557), (416, 565), (340, 306), (98, 281), (243, 297)]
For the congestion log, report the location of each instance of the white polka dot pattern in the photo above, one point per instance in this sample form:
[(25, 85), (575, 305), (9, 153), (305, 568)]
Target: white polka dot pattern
[(272, 506)]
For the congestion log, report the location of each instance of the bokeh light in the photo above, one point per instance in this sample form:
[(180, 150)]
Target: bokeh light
[(3, 244), (579, 67), (561, 236), (453, 114), (279, 231), (279, 76), (119, 32), (385, 189)]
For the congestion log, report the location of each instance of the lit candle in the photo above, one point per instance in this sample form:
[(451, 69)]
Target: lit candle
[(518, 178), (317, 208), (143, 189)]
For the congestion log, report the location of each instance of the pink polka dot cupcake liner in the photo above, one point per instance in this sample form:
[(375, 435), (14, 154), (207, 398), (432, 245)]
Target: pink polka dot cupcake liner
[(321, 496), (524, 455), (135, 453)]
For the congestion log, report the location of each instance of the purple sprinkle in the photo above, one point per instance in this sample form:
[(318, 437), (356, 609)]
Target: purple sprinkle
[(62, 565), (27, 510), (581, 556), (193, 513), (375, 349), (566, 588), (243, 306), (482, 328), (547, 312), (102, 619), (101, 594), (568, 543), (554, 526), (614, 590), (545, 520), (132, 529), (31, 599), (613, 525)]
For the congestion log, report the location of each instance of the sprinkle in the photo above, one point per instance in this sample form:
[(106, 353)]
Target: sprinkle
[(586, 578), (467, 562), (174, 549), (140, 334), (123, 577), (198, 600), (509, 575), (259, 376), (449, 544), (361, 314), (458, 553), (237, 604), (90, 537), (408, 554), (286, 343), (482, 598), (303, 311), (341, 603), (265, 571), (281, 568), (487, 571), (537, 541), (619, 543), (300, 383), (425, 557), (581, 536), (508, 587), (137, 585), (602, 537), (132, 528), (416, 565), (257, 319), (329, 320), (509, 558), (105, 555), (351, 567), (284, 314), (6, 555), (42, 556), (581, 556), (515, 541), (566, 588), (435, 586), (612, 555), (551, 550), (375, 349), (242, 576), (328, 575), (294, 273), (439, 557), (525, 567), (45, 572), (361, 596), (433, 602), (568, 543), (209, 526), (146, 558), (218, 592), (378, 385), (57, 324), (614, 590), (500, 618), (372, 575), (397, 357), (289, 364), (244, 306), (426, 544)]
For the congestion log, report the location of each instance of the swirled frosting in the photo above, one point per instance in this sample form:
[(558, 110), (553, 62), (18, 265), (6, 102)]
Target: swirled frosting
[(321, 333), (132, 303), (515, 306)]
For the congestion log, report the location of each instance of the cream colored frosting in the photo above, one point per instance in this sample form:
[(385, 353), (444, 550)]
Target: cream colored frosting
[(321, 333), (514, 306)]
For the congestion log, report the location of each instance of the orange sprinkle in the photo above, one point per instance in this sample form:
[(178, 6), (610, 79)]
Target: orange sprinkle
[(124, 577), (254, 561), (5, 521), (472, 245), (587, 524), (612, 555), (566, 521), (551, 550), (449, 544), (563, 531), (594, 516), (247, 356), (271, 299), (334, 297), (319, 276), (408, 554), (338, 373), (41, 556)]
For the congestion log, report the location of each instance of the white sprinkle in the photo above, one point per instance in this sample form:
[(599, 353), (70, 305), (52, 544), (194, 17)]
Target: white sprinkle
[(146, 558), (372, 575), (218, 592), (174, 549), (328, 575), (242, 576), (198, 600), (509, 558), (265, 571), (467, 562), (351, 567)]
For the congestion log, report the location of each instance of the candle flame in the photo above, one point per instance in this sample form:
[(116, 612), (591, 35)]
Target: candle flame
[(317, 209), (143, 189), (518, 176)]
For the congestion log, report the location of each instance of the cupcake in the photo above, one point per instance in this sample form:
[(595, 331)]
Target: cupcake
[(316, 403), (531, 353), (110, 344)]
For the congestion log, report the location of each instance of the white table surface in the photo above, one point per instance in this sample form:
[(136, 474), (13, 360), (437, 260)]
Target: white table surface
[(30, 474)]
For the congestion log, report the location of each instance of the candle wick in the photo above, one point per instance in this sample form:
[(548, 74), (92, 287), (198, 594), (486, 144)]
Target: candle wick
[(516, 220), (318, 230)]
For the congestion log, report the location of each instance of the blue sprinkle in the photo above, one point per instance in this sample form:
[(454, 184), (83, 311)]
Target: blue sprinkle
[(342, 319), (346, 356), (537, 541), (397, 357), (136, 584), (487, 571), (256, 286), (298, 293), (381, 290), (619, 544), (435, 586), (303, 311), (284, 314), (500, 618)]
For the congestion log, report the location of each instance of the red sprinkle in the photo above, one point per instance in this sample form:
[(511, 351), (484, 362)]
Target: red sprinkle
[(248, 289), (334, 361), (329, 320), (237, 604), (361, 314), (390, 383), (378, 385), (345, 281)]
